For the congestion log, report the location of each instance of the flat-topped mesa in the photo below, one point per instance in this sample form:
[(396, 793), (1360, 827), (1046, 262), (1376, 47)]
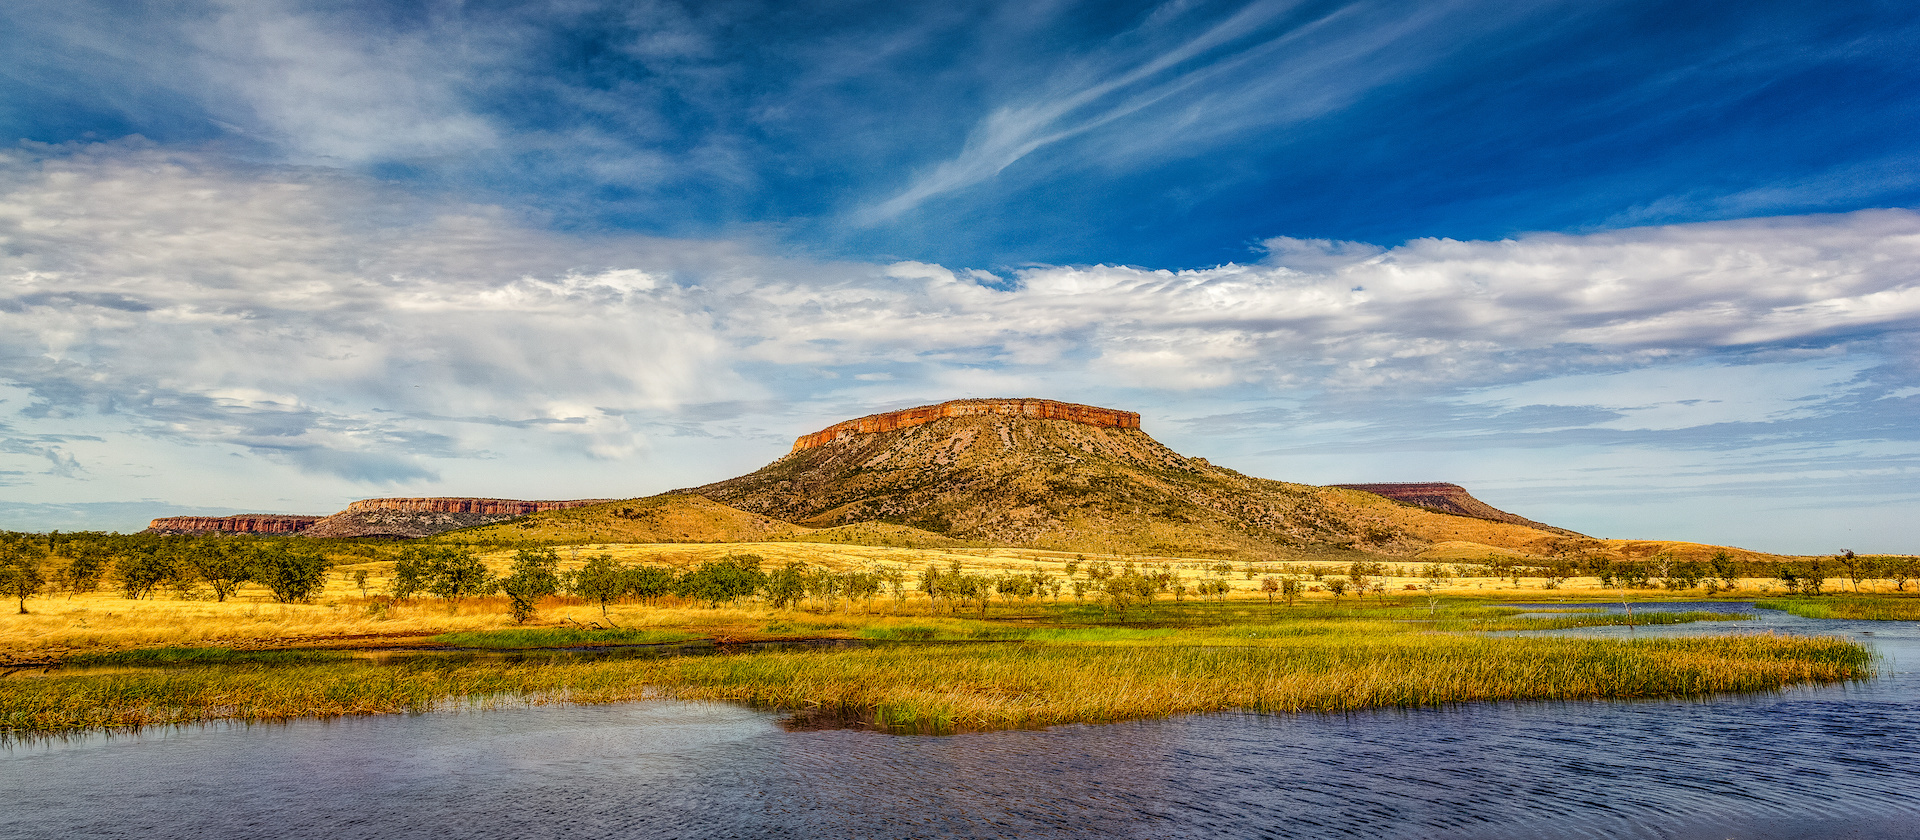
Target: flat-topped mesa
[(490, 507), (245, 523), (1450, 498), (1035, 408)]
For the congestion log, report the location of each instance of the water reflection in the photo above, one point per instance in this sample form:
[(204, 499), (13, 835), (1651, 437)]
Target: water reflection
[(1833, 761)]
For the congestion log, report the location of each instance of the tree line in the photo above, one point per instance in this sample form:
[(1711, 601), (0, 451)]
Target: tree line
[(139, 566)]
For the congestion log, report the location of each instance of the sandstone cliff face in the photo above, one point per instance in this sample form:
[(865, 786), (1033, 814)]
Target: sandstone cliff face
[(1450, 498), (245, 523), (490, 507), (1033, 408), (410, 518)]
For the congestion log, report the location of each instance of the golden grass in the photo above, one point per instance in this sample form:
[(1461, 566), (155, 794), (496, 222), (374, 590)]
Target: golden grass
[(60, 625), (1290, 666), (1848, 607)]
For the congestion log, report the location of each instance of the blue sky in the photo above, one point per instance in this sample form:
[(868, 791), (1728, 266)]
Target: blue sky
[(1639, 269)]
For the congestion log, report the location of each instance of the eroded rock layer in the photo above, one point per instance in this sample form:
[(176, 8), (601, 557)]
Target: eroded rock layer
[(1037, 409), (489, 507), (1449, 498), (245, 523)]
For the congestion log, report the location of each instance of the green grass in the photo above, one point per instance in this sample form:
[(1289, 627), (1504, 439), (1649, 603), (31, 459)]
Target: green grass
[(176, 656), (1643, 618), (1882, 608), (554, 637), (1042, 671)]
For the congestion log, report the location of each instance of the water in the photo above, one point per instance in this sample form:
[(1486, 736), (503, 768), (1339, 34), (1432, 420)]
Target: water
[(1835, 762)]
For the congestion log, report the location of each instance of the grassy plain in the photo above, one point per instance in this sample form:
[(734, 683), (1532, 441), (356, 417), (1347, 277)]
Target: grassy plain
[(343, 613), (1028, 662), (945, 673)]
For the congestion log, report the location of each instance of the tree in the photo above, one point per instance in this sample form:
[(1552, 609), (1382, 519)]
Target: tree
[(290, 574), (223, 562), (1289, 588), (602, 580), (1431, 578), (145, 568), (1269, 586), (532, 577), (86, 564), (1338, 586), (1900, 570), (20, 574), (1855, 567), (727, 579), (648, 583), (360, 581), (787, 586), (455, 574), (861, 586), (1724, 569)]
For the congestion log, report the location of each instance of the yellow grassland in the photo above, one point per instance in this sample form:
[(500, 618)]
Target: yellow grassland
[(58, 625)]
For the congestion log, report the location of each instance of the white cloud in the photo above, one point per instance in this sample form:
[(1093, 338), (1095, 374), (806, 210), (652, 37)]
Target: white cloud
[(152, 299)]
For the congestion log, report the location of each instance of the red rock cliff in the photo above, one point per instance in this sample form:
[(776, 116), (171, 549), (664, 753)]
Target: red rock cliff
[(493, 507), (246, 523), (1040, 409)]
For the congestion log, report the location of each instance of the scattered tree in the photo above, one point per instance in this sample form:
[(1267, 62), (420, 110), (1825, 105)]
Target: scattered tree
[(20, 567), (290, 574), (531, 578)]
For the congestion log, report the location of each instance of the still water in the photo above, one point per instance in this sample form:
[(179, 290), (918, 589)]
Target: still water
[(1833, 762)]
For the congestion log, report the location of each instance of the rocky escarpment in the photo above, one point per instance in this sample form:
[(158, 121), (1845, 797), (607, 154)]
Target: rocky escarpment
[(1037, 409), (450, 504), (1043, 474), (1450, 498), (244, 523), (410, 518)]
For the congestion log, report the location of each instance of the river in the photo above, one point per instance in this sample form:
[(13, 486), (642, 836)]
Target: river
[(1829, 762)]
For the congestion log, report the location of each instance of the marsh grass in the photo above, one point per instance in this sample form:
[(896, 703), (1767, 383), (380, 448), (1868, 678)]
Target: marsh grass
[(176, 656), (1222, 658), (1568, 622), (1888, 608), (556, 637)]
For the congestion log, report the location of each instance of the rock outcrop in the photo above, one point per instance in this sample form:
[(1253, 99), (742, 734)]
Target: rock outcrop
[(243, 523), (410, 518), (449, 504), (1033, 408), (1450, 498)]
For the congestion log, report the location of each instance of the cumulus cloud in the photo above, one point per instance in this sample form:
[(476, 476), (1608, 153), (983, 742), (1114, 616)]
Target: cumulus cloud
[(343, 328)]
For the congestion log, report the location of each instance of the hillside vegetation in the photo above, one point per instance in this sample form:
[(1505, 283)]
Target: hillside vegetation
[(655, 519)]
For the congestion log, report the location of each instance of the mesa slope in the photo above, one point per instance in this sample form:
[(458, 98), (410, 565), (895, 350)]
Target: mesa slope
[(1018, 477)]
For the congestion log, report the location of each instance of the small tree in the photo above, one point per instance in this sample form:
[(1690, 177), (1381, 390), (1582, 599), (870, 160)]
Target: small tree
[(1900, 570), (86, 564), (290, 574), (727, 579), (1338, 586), (223, 562), (1855, 567), (787, 586), (20, 574), (455, 574), (1724, 569), (360, 581), (531, 578), (1431, 578), (602, 579), (648, 583), (140, 571), (1289, 588), (1270, 586)]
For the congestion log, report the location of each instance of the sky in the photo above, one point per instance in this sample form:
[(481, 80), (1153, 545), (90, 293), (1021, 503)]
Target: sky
[(1638, 269)]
